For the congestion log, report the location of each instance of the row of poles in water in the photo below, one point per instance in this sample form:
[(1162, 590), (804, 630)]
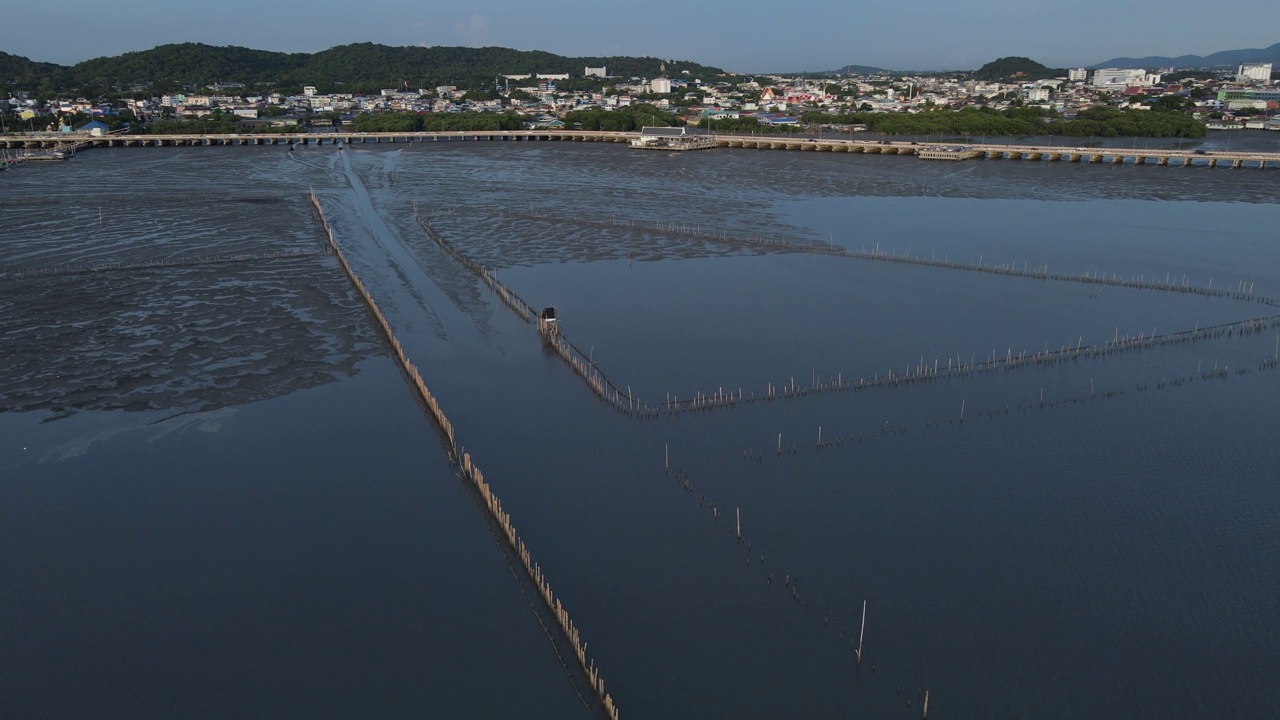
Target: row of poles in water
[(1241, 290), (1203, 373), (584, 367), (790, 582), (624, 401), (473, 474), (490, 278)]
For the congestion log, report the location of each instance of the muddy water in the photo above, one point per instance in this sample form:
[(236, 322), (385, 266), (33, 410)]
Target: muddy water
[(221, 467)]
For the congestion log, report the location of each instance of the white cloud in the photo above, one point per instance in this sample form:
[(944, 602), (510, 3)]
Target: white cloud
[(474, 31)]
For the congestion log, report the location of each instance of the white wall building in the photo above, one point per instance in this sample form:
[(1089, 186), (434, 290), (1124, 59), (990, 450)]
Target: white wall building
[(660, 86), (1039, 94), (1254, 71), (1117, 77), (1077, 75), (595, 72)]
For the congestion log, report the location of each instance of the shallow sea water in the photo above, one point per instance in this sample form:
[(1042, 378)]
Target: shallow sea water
[(221, 483)]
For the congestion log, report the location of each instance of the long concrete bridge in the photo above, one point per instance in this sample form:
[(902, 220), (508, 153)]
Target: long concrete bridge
[(1045, 153)]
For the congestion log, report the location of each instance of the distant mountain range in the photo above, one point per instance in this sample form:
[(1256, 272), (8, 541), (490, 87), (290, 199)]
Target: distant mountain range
[(1226, 58), (997, 70)]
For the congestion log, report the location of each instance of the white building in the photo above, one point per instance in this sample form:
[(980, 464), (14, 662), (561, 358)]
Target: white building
[(309, 90), (595, 72), (1039, 94), (1117, 77), (1077, 75), (660, 86), (1254, 71)]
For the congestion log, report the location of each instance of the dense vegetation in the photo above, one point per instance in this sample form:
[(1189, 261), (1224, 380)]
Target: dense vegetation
[(1099, 121), (1016, 69), (861, 70), (21, 72), (632, 117), (360, 67), (438, 122), (746, 125)]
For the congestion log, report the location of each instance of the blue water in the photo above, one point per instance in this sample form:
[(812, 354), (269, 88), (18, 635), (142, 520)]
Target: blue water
[(1093, 539)]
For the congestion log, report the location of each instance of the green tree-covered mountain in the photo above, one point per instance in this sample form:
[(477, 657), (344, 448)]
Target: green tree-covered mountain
[(1016, 69), (860, 70), (17, 70), (352, 68)]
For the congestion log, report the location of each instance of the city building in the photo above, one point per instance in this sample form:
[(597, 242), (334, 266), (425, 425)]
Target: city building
[(595, 72), (1117, 77), (660, 86), (1077, 75), (1258, 72)]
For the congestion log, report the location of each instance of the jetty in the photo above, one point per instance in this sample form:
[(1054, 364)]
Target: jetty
[(672, 138)]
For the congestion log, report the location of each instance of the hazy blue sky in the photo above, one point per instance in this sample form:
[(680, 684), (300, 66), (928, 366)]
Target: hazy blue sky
[(743, 35)]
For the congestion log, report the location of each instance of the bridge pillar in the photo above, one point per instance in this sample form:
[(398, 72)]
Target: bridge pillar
[(1235, 164), (1117, 159), (1262, 164), (1213, 162), (1186, 162), (1162, 161)]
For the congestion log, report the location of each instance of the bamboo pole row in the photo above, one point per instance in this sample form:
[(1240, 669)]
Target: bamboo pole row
[(154, 264), (623, 401), (472, 474), (1241, 290), (832, 618), (1203, 373), (489, 276), (906, 374), (410, 369), (535, 573)]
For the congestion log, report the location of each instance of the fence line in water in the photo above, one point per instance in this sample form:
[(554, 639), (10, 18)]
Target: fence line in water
[(624, 401), (490, 278), (472, 474), (581, 363), (1242, 291)]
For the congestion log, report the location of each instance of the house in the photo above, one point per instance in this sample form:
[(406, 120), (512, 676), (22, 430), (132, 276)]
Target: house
[(94, 128)]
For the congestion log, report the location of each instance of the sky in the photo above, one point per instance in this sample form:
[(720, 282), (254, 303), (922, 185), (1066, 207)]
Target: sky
[(749, 36)]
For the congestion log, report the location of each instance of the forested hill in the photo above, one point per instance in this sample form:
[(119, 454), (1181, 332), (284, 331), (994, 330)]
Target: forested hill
[(1016, 69), (18, 70), (351, 68)]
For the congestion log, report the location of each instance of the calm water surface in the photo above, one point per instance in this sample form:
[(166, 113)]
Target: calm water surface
[(219, 494)]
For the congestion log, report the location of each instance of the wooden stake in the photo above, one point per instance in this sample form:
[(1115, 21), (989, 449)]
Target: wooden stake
[(862, 631)]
